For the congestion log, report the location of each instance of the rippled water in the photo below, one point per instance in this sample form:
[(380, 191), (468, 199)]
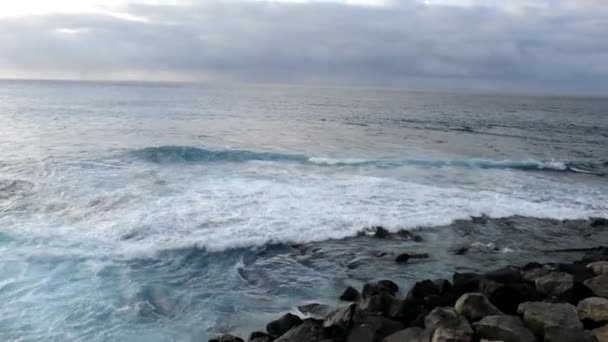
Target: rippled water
[(155, 212)]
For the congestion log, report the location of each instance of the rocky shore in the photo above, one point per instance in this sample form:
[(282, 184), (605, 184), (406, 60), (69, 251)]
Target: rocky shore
[(553, 302)]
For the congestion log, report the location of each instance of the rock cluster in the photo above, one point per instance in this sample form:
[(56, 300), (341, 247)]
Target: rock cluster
[(551, 302)]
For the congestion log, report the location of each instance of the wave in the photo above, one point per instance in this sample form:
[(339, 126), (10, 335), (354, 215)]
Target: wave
[(189, 154)]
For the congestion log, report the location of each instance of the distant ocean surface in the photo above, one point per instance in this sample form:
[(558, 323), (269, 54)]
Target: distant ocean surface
[(168, 212)]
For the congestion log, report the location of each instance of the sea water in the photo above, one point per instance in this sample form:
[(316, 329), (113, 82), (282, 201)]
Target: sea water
[(173, 212)]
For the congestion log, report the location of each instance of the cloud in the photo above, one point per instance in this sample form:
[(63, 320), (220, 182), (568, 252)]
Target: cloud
[(473, 44)]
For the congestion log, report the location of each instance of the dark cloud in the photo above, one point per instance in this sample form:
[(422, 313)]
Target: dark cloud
[(548, 48)]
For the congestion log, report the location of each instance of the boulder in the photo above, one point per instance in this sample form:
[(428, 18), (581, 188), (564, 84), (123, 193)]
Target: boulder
[(531, 274), (404, 257), (421, 290), (594, 309), (382, 286), (314, 310), (447, 325), (466, 282), (598, 222), (601, 334), (372, 329), (259, 336), (599, 285), (555, 283), (309, 330), (410, 335), (503, 328), (505, 275), (443, 285), (599, 267), (380, 232), (340, 318), (539, 315), (507, 297), (561, 334), (227, 338), (452, 335), (350, 295), (579, 271), (282, 325), (382, 304), (600, 254), (475, 306)]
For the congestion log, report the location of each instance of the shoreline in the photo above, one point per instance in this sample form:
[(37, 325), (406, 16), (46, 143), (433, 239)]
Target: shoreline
[(468, 307)]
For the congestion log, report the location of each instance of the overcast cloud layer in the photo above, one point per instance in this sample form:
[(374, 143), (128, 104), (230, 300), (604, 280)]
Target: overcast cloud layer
[(552, 46)]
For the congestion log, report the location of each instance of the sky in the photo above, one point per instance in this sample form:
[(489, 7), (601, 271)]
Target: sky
[(548, 46)]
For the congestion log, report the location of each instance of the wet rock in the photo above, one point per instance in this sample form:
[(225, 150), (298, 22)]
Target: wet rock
[(579, 271), (561, 334), (443, 285), (314, 310), (410, 335), (534, 273), (554, 283), (507, 297), (309, 330), (382, 286), (475, 306), (461, 250), (599, 285), (447, 325), (350, 295), (407, 235), (505, 275), (372, 329), (382, 304), (380, 232), (503, 328), (404, 257), (227, 338), (466, 282), (599, 267), (421, 290), (601, 333), (539, 315), (259, 336), (594, 309), (598, 222), (340, 318), (283, 324)]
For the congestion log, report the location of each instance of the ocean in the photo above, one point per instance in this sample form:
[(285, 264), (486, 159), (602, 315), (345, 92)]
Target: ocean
[(174, 212)]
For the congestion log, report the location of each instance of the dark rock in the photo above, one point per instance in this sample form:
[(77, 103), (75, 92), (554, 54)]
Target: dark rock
[(599, 267), (598, 222), (599, 285), (350, 295), (538, 316), (340, 318), (600, 254), (308, 331), (507, 297), (505, 275), (401, 258), (382, 286), (503, 328), (466, 282), (531, 274), (227, 338), (443, 285), (579, 271), (282, 325), (382, 304), (561, 334), (407, 235), (447, 325), (410, 335), (421, 290), (461, 250), (475, 306), (555, 283), (380, 232), (435, 301), (594, 309), (258, 336), (531, 266), (372, 329), (314, 310)]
